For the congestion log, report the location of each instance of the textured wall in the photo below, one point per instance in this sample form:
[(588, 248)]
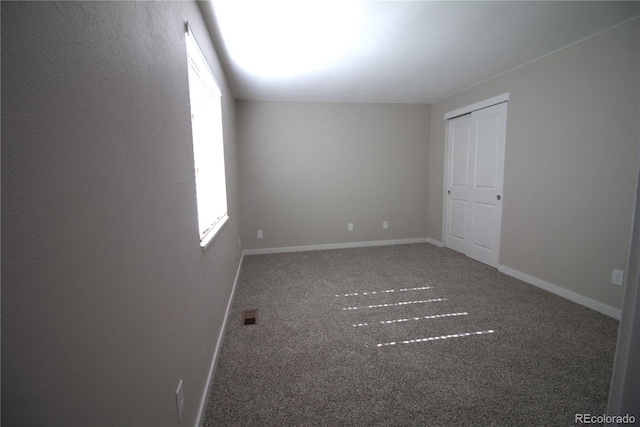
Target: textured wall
[(107, 299), (308, 169), (625, 382), (571, 162)]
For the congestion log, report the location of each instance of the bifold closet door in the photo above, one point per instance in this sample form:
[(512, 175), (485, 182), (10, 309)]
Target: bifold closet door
[(475, 172)]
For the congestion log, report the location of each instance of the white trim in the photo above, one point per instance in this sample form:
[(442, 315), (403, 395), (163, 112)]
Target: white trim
[(445, 182), (216, 353), (334, 246), (565, 293), (211, 234), (477, 106), (435, 242)]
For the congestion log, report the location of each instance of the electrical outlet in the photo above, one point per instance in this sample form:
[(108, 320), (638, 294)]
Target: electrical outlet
[(385, 225), (617, 276), (180, 400), (259, 234), (350, 226)]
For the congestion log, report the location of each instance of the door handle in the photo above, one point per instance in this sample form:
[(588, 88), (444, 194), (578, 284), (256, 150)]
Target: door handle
[(498, 197), (448, 191)]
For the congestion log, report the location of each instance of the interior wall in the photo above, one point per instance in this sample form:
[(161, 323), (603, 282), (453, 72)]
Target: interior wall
[(625, 382), (308, 169), (571, 162), (108, 300)]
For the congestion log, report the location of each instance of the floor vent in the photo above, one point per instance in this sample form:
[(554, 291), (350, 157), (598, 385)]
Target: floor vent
[(249, 317)]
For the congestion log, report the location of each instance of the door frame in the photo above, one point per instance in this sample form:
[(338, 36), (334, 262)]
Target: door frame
[(451, 115)]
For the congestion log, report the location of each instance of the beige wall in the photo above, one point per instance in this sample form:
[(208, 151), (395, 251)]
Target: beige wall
[(107, 299), (308, 169), (571, 162)]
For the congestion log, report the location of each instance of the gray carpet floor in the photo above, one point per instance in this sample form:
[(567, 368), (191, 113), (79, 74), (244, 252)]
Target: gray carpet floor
[(407, 335)]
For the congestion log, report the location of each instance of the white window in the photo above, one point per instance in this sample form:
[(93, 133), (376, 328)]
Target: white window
[(208, 146)]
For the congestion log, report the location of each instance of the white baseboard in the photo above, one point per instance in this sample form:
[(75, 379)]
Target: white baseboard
[(435, 242), (334, 246), (565, 293), (207, 387)]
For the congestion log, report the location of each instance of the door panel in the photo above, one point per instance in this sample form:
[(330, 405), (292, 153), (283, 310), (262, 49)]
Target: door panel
[(460, 154), (458, 219), (486, 149), (482, 237)]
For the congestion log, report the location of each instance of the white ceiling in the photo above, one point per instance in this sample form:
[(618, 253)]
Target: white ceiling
[(391, 51)]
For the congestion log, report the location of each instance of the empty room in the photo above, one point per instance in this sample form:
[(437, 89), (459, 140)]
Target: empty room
[(302, 213)]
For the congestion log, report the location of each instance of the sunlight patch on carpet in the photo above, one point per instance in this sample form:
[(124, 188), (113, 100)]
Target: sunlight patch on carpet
[(433, 316), (395, 304), (438, 338), (353, 294)]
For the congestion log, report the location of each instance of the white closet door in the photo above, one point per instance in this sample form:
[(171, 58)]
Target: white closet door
[(482, 195), (459, 131)]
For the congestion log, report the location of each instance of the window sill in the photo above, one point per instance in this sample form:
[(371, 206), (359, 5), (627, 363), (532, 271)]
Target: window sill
[(208, 238)]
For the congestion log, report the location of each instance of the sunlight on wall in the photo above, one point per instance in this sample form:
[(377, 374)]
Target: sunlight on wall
[(284, 38)]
